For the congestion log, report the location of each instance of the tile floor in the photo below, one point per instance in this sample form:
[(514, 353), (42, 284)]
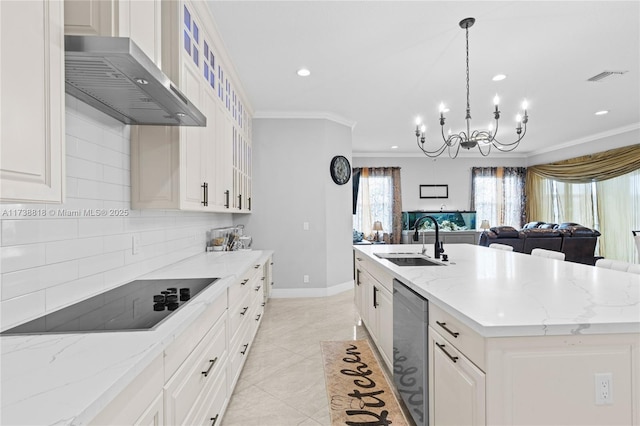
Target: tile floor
[(282, 382)]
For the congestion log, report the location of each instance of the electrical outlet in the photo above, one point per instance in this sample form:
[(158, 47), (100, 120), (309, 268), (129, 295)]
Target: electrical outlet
[(135, 244), (604, 388), (305, 279)]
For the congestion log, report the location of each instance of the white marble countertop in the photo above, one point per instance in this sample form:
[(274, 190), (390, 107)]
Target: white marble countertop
[(500, 294), (67, 379)]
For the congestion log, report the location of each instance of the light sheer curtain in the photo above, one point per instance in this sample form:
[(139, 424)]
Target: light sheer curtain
[(379, 199), (498, 195), (619, 214), (574, 203)]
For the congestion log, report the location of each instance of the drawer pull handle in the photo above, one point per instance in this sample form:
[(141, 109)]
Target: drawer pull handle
[(360, 259), (262, 279), (214, 420), (452, 358), (244, 281), (256, 267), (244, 311), (258, 288), (443, 325), (245, 349), (211, 364), (258, 317), (262, 305)]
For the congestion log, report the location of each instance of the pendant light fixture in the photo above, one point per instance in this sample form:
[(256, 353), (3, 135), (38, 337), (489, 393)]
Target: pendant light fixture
[(484, 140)]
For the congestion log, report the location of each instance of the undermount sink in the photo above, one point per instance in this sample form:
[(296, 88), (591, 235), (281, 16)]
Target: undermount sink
[(408, 259)]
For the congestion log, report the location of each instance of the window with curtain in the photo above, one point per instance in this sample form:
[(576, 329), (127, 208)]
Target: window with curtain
[(498, 195), (600, 191), (378, 198)]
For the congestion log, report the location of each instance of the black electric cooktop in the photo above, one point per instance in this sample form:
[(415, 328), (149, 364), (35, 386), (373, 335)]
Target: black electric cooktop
[(138, 305)]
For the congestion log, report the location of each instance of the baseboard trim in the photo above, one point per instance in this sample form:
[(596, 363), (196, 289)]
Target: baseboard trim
[(285, 293)]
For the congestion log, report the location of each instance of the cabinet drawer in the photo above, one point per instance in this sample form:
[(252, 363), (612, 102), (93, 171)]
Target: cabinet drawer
[(239, 313), (459, 335), (209, 413), (196, 375), (240, 288), (237, 355), (178, 351)]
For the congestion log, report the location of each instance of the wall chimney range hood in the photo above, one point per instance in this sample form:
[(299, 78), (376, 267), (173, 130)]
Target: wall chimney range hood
[(113, 75)]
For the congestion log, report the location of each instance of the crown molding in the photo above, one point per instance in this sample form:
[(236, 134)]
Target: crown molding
[(313, 115), (590, 138)]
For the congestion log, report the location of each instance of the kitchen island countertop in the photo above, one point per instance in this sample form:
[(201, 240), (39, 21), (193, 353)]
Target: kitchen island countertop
[(507, 294), (67, 379)]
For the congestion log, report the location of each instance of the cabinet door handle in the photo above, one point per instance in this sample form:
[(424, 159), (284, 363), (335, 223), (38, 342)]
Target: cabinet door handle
[(258, 317), (452, 358), (375, 297), (240, 202), (244, 311), (205, 194), (357, 276), (262, 278), (212, 362), (214, 420), (249, 199), (226, 195), (244, 281), (258, 288), (444, 325), (245, 349)]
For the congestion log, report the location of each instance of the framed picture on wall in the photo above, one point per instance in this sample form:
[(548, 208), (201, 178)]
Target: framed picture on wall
[(434, 191)]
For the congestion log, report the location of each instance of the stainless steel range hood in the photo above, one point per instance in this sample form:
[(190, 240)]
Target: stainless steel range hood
[(113, 75)]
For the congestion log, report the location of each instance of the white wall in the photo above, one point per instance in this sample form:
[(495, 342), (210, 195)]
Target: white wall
[(291, 186), (416, 171), (51, 261)]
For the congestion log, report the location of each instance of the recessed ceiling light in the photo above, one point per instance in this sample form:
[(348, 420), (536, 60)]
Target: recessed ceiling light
[(303, 72), (394, 147), (499, 77), (603, 112)]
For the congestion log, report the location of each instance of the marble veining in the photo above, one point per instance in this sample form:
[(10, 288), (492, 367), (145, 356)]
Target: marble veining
[(67, 379), (502, 294)]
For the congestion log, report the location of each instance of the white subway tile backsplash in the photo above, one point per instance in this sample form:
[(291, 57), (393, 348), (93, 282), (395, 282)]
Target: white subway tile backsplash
[(60, 251), (24, 256), (30, 280), (103, 262), (84, 169), (92, 226), (15, 232), (51, 261)]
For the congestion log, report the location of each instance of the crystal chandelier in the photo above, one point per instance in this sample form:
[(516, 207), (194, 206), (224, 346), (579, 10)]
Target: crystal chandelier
[(483, 139)]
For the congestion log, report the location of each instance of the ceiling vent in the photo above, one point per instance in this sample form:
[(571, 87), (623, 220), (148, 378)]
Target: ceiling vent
[(605, 75)]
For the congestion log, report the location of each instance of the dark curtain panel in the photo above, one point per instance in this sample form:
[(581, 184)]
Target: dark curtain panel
[(355, 183)]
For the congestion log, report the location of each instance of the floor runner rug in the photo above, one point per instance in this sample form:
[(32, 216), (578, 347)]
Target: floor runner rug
[(358, 391)]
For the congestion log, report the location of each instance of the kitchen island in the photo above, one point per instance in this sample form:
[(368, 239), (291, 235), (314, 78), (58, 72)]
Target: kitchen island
[(518, 339), (154, 376)]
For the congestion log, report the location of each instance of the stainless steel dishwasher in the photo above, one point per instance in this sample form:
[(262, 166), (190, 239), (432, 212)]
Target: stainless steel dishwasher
[(410, 320)]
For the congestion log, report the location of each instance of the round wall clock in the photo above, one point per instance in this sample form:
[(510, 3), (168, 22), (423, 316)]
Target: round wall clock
[(340, 169)]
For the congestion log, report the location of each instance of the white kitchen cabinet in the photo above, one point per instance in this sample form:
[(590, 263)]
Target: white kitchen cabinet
[(138, 402), (246, 307), (195, 168), (458, 390), (153, 415), (32, 103), (502, 381), (184, 393), (139, 20), (374, 301)]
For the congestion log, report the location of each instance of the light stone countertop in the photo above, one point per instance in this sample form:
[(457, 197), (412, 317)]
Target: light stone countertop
[(505, 294), (67, 379)]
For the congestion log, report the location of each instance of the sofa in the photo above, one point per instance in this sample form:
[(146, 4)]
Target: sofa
[(577, 242)]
